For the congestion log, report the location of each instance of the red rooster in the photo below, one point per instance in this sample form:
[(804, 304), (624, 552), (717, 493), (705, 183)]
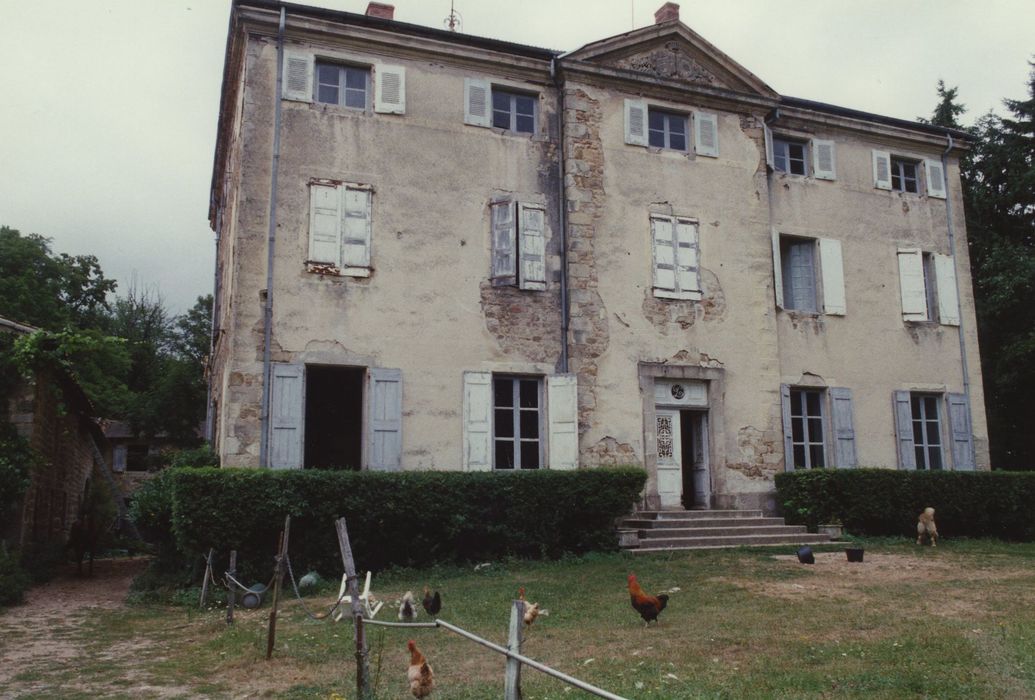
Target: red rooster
[(421, 678), (648, 606)]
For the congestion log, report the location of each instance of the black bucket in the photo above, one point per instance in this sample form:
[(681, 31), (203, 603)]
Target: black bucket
[(805, 555), (854, 554)]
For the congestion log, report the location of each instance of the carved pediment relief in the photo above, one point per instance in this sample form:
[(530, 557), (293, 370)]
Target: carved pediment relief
[(670, 60)]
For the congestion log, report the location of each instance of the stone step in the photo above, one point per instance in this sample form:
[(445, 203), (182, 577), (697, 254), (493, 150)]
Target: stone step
[(644, 523), (695, 514), (730, 541), (722, 531), (773, 545)]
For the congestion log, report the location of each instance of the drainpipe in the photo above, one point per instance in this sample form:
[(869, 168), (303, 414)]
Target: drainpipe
[(563, 214), (267, 316), (213, 330)]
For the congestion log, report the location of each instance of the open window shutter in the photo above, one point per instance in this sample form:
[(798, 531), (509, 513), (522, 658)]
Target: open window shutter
[(948, 301), (911, 281), (843, 426), (384, 419), (636, 122), (824, 160), (325, 223), (688, 273), (532, 231), (662, 235), (504, 235), (287, 404), (788, 434), (477, 105), (562, 404), (706, 134), (882, 170), (477, 436), (904, 430), (832, 269), (118, 458), (767, 133), (962, 434), (935, 178), (389, 89), (298, 77), (356, 248), (777, 269)]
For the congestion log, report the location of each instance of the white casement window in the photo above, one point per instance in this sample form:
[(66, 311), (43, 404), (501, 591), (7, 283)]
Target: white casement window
[(517, 422), (518, 234), (647, 125), (667, 129), (921, 425), (902, 174), (927, 282), (324, 81), (340, 228), (504, 108), (676, 257), (814, 157), (809, 274), (818, 427), (791, 157)]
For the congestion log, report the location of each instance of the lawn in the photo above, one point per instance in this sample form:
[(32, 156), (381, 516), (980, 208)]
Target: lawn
[(953, 622)]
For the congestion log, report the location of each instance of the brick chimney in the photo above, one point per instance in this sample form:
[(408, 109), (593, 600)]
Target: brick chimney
[(669, 12), (384, 11)]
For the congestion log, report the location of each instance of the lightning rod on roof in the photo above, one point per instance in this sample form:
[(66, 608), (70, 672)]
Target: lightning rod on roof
[(455, 20)]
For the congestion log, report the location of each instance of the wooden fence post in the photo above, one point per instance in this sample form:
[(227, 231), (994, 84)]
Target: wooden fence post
[(512, 682), (208, 576), (231, 594), (363, 689), (278, 574)]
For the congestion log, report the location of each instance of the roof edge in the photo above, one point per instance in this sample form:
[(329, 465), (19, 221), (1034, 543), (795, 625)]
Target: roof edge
[(837, 110)]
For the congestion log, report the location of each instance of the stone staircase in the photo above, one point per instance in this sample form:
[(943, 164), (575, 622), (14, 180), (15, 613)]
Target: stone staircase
[(667, 530)]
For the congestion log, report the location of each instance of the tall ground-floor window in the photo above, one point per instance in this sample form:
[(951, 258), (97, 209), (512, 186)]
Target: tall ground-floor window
[(807, 436), (927, 437), (517, 424)]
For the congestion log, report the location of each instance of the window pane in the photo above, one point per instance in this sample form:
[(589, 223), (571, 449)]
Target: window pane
[(780, 162), (677, 142), (501, 120), (796, 402), (657, 138), (677, 125), (796, 151), (815, 429), (504, 426), (529, 393), (503, 392), (921, 462), (504, 454), (327, 74), (501, 101), (914, 402), (656, 121), (933, 436), (797, 430), (936, 458), (931, 407), (327, 94), (918, 432), (524, 125), (523, 104), (355, 98), (530, 455), (812, 402), (816, 453), (799, 456), (530, 424)]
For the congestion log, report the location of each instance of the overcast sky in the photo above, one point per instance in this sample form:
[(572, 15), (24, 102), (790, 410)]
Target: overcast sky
[(108, 107)]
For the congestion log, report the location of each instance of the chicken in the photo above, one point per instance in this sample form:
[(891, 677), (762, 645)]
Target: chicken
[(648, 606), (532, 610), (432, 604), (407, 610), (420, 675)]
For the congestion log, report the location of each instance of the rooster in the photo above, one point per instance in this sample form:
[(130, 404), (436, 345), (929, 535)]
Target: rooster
[(532, 610), (432, 604), (648, 606), (420, 675), (407, 610)]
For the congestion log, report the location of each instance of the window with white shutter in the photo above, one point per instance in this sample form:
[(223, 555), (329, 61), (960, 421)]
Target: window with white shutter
[(389, 89), (636, 122), (706, 134), (824, 160), (832, 270), (356, 231), (532, 253), (477, 430), (518, 235), (798, 268), (882, 170), (297, 81), (911, 284), (477, 105), (676, 255), (935, 178), (340, 228), (945, 280), (843, 428), (563, 410), (325, 224), (342, 85)]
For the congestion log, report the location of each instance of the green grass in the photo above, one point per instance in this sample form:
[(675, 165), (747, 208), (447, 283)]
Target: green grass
[(953, 622)]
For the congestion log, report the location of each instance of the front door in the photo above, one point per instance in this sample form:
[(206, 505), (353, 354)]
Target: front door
[(670, 458)]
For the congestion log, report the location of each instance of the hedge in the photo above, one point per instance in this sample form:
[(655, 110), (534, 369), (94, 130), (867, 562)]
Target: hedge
[(394, 519), (887, 501)]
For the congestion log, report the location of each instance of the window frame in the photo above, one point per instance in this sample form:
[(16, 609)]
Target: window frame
[(513, 95), (786, 243), (896, 171), (666, 132), (343, 70), (516, 409), (786, 143), (923, 449), (798, 400)]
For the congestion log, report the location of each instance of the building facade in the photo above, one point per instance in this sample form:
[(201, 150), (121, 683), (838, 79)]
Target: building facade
[(437, 251)]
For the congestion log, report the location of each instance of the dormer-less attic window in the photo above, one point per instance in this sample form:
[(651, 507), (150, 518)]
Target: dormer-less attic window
[(345, 86), (350, 86)]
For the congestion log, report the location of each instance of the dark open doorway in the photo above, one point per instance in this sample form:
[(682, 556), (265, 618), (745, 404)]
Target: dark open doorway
[(694, 453), (334, 417)]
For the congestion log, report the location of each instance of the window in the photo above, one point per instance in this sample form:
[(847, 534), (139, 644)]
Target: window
[(345, 86), (927, 439), (339, 228), (513, 111), (808, 439), (517, 421), (790, 156), (308, 79), (676, 252), (798, 263), (518, 244), (809, 274), (136, 458), (928, 287), (667, 130), (904, 176)]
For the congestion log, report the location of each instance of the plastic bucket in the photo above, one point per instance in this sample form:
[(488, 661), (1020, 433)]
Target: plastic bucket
[(854, 554), (253, 598)]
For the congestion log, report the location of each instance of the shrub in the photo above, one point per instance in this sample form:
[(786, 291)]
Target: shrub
[(394, 519), (887, 501), (13, 579), (202, 456)]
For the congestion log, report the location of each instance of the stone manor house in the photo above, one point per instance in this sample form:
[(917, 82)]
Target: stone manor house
[(442, 251)]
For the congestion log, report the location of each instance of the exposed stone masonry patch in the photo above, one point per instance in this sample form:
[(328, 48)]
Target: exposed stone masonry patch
[(676, 315), (761, 454), (526, 324)]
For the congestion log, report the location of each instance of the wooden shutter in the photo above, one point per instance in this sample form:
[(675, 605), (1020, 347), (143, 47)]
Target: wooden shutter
[(477, 437), (389, 89), (903, 413), (298, 77), (911, 281), (287, 410), (504, 236), (882, 170), (356, 233), (663, 243), (824, 161), (962, 433), (832, 269), (706, 134), (688, 273), (384, 419), (563, 405), (770, 157), (118, 458), (532, 230), (843, 427), (325, 224), (636, 122), (788, 433), (477, 102), (935, 178), (945, 281), (777, 269)]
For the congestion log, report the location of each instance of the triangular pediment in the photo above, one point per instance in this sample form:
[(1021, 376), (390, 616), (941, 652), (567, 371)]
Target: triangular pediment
[(673, 51)]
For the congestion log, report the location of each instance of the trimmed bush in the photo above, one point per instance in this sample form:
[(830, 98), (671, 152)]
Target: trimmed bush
[(888, 501), (394, 519)]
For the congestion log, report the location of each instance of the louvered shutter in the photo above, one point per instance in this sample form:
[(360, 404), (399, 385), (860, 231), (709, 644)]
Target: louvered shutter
[(882, 170), (663, 243), (118, 458), (636, 122), (843, 427), (477, 102), (298, 77), (389, 89), (287, 403), (788, 431), (945, 280), (832, 269), (904, 430), (504, 237), (777, 269), (356, 234), (477, 437), (706, 134), (824, 160), (532, 230), (962, 433), (688, 273), (325, 224), (770, 157), (384, 419), (911, 282), (935, 178), (562, 405)]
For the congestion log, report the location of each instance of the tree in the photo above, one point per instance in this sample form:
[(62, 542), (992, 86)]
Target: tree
[(948, 110)]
